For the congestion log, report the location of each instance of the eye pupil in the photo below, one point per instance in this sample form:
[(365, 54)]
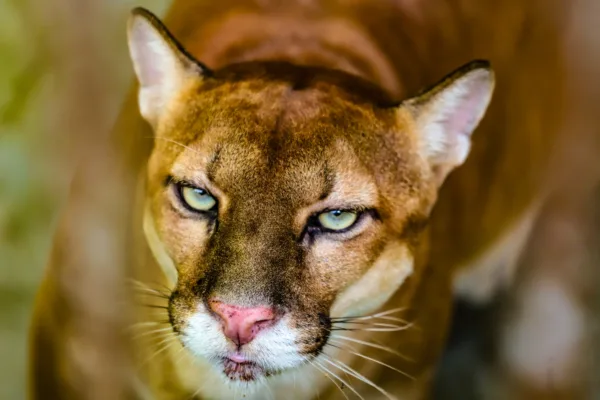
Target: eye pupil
[(336, 213)]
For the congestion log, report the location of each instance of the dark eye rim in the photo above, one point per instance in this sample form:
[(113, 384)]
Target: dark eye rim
[(178, 187)]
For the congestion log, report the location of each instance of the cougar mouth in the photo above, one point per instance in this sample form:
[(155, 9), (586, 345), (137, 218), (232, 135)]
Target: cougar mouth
[(237, 369)]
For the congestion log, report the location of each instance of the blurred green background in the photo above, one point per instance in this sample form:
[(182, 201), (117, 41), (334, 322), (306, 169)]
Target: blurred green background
[(35, 162)]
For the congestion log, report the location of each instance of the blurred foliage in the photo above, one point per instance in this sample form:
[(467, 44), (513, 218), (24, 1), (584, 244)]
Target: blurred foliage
[(35, 163)]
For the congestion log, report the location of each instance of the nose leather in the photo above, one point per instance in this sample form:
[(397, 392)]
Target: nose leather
[(242, 324)]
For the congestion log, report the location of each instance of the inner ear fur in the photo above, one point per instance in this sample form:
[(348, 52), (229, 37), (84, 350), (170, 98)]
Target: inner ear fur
[(161, 64), (446, 115)]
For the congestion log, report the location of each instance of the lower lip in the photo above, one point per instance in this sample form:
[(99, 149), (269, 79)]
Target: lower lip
[(245, 371), (238, 358)]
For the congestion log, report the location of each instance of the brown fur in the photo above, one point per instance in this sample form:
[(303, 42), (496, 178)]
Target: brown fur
[(261, 134)]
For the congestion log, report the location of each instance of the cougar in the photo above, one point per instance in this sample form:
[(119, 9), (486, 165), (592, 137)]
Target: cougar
[(304, 231)]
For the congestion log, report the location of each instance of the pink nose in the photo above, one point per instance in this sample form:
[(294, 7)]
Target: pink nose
[(241, 324)]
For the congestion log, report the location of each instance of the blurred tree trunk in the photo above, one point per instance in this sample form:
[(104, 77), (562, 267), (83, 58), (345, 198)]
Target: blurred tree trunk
[(78, 338)]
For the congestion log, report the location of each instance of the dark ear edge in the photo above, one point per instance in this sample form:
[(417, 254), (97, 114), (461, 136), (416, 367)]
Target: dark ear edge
[(184, 56), (424, 95)]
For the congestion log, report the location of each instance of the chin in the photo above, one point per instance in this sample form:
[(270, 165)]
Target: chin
[(243, 371), (247, 370)]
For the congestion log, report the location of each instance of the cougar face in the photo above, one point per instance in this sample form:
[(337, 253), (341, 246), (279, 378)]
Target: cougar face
[(281, 196)]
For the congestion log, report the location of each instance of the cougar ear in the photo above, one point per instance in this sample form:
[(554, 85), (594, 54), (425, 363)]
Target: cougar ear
[(161, 64), (447, 114)]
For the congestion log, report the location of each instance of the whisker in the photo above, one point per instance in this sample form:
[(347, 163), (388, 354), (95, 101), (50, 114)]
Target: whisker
[(363, 323), (390, 329), (141, 325), (157, 314), (266, 385), (295, 373), (341, 346), (158, 336), (327, 373), (158, 286), (345, 383), (165, 343), (146, 292), (153, 332), (373, 316), (180, 354), (202, 385), (359, 376), (388, 312), (352, 351), (143, 286), (165, 287), (376, 346), (155, 306), (412, 324), (193, 396), (177, 143)]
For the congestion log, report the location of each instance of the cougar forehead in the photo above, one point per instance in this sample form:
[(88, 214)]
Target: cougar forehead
[(289, 122)]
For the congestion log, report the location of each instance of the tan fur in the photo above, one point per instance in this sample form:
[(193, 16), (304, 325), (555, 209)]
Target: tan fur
[(263, 139)]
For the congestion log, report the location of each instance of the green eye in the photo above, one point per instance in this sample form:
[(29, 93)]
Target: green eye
[(197, 199), (337, 220)]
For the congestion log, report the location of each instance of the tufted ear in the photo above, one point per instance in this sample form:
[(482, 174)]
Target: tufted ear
[(447, 114), (161, 64)]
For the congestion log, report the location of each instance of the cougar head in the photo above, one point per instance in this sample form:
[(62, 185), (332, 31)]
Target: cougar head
[(281, 196)]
